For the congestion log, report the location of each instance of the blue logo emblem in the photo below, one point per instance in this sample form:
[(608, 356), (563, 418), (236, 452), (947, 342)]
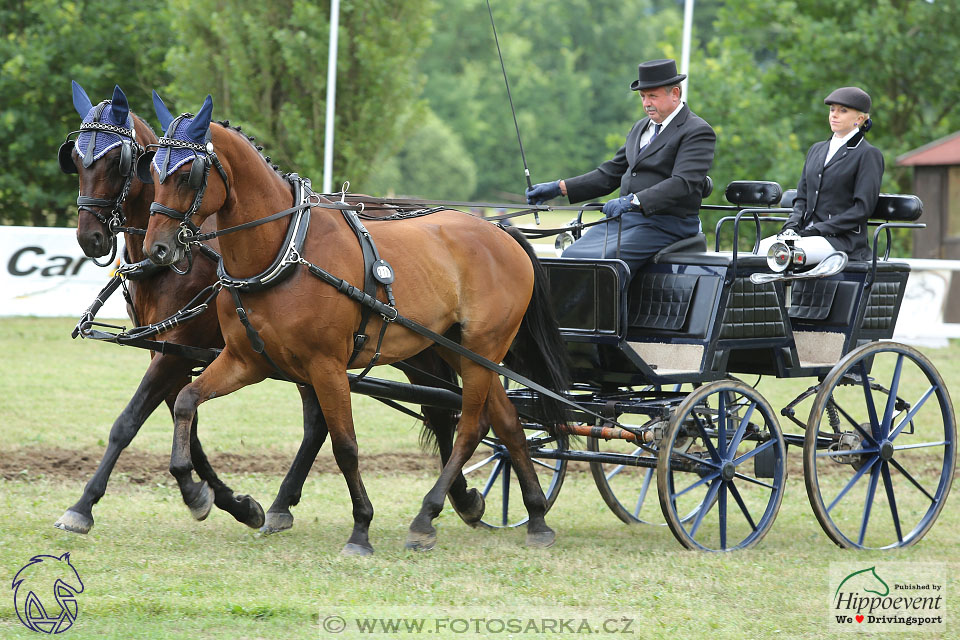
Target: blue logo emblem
[(45, 593)]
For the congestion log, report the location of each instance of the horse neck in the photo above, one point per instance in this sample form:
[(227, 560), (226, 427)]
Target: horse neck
[(256, 191), (136, 208)]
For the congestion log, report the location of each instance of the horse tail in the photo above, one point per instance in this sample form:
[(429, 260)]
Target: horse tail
[(538, 352)]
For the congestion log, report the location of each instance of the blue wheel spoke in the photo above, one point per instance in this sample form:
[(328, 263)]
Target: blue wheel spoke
[(868, 398), (551, 467), (913, 481), (913, 411), (754, 481), (749, 454), (742, 505), (696, 484), (722, 514), (738, 436), (722, 421), (891, 500), (868, 503), (855, 424), (714, 455), (922, 445), (852, 482), (687, 456), (615, 471), (851, 452), (474, 467), (492, 478), (643, 492), (704, 506), (891, 398), (506, 493)]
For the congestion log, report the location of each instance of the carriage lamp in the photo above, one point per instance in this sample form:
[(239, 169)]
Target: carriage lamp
[(782, 254), (565, 238)]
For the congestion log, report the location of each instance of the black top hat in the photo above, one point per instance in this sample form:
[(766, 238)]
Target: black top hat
[(657, 73), (852, 97)]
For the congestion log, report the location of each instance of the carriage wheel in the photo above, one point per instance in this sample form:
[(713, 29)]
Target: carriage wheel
[(722, 457), (880, 448), (501, 492)]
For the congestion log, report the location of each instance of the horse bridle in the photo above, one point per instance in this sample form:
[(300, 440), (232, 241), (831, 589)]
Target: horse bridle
[(130, 151), (198, 179)]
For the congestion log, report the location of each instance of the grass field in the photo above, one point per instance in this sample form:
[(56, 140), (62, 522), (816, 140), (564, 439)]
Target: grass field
[(150, 571)]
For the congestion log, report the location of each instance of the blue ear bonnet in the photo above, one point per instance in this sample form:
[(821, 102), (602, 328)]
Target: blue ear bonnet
[(103, 141), (178, 130)]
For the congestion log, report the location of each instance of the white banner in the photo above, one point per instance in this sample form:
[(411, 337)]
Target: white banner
[(46, 274)]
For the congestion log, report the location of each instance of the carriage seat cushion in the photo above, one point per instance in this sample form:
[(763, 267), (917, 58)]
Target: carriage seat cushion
[(890, 207), (693, 244), (757, 193)]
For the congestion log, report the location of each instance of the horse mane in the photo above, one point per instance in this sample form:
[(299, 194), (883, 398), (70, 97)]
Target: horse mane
[(251, 141)]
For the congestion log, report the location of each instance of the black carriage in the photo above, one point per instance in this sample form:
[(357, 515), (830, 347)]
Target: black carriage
[(670, 349)]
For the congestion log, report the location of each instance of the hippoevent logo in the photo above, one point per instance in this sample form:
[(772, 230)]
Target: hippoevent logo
[(45, 593), (888, 597)]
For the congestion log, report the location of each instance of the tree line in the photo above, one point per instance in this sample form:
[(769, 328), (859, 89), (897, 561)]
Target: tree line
[(421, 104)]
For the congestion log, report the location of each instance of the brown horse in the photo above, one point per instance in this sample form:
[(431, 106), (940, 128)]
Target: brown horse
[(113, 199), (457, 275)]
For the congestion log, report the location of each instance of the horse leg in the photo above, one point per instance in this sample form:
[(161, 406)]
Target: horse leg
[(223, 376), (333, 392), (279, 517), (245, 509), (165, 375), (442, 423), (422, 536), (506, 424)]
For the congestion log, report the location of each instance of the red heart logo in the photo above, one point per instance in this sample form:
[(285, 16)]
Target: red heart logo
[(859, 618)]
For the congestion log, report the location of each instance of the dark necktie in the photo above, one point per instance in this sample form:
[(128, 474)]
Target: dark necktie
[(656, 132)]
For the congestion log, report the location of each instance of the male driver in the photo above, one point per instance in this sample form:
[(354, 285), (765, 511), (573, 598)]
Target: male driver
[(660, 169)]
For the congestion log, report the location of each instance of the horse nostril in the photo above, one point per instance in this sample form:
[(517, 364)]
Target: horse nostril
[(159, 252), (98, 238)]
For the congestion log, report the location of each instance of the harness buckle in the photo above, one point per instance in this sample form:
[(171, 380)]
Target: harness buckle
[(359, 340)]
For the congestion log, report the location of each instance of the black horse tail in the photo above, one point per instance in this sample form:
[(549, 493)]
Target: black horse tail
[(538, 352)]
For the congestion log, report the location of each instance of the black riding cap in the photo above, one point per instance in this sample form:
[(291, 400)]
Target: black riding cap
[(657, 73), (852, 97)]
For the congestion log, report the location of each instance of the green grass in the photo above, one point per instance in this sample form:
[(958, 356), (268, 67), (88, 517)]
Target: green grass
[(150, 571)]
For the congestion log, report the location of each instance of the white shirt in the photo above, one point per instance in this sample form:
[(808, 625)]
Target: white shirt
[(836, 143), (648, 132)]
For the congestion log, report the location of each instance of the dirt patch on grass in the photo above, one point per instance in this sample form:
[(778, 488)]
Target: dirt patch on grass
[(142, 467)]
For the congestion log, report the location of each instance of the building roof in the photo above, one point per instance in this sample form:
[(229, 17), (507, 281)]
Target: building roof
[(946, 150)]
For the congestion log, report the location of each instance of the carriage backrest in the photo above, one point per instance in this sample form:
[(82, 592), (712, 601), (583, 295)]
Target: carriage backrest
[(753, 193), (891, 207)]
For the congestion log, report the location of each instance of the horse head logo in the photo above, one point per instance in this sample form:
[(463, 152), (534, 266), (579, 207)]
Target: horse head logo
[(865, 580), (39, 577)]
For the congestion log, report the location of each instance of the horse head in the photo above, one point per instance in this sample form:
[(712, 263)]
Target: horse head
[(103, 154), (180, 166), (37, 578)]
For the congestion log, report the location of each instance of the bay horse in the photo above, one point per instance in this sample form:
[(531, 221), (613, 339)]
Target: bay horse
[(113, 200), (456, 274)]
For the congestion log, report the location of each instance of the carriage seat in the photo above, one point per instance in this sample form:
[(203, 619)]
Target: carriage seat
[(891, 207)]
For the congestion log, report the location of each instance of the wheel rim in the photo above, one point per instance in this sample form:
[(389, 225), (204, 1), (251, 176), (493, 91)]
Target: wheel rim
[(491, 468), (879, 469), (731, 475)]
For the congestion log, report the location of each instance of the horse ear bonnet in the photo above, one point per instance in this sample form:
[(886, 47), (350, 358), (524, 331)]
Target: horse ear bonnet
[(92, 144), (188, 128)]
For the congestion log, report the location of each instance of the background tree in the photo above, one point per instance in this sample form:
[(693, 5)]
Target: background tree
[(266, 66), (43, 45)]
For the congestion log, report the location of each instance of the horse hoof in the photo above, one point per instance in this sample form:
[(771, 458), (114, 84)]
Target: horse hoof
[(200, 507), (74, 522), (276, 522), (541, 539), (255, 518), (472, 514), (421, 541), (353, 549)]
